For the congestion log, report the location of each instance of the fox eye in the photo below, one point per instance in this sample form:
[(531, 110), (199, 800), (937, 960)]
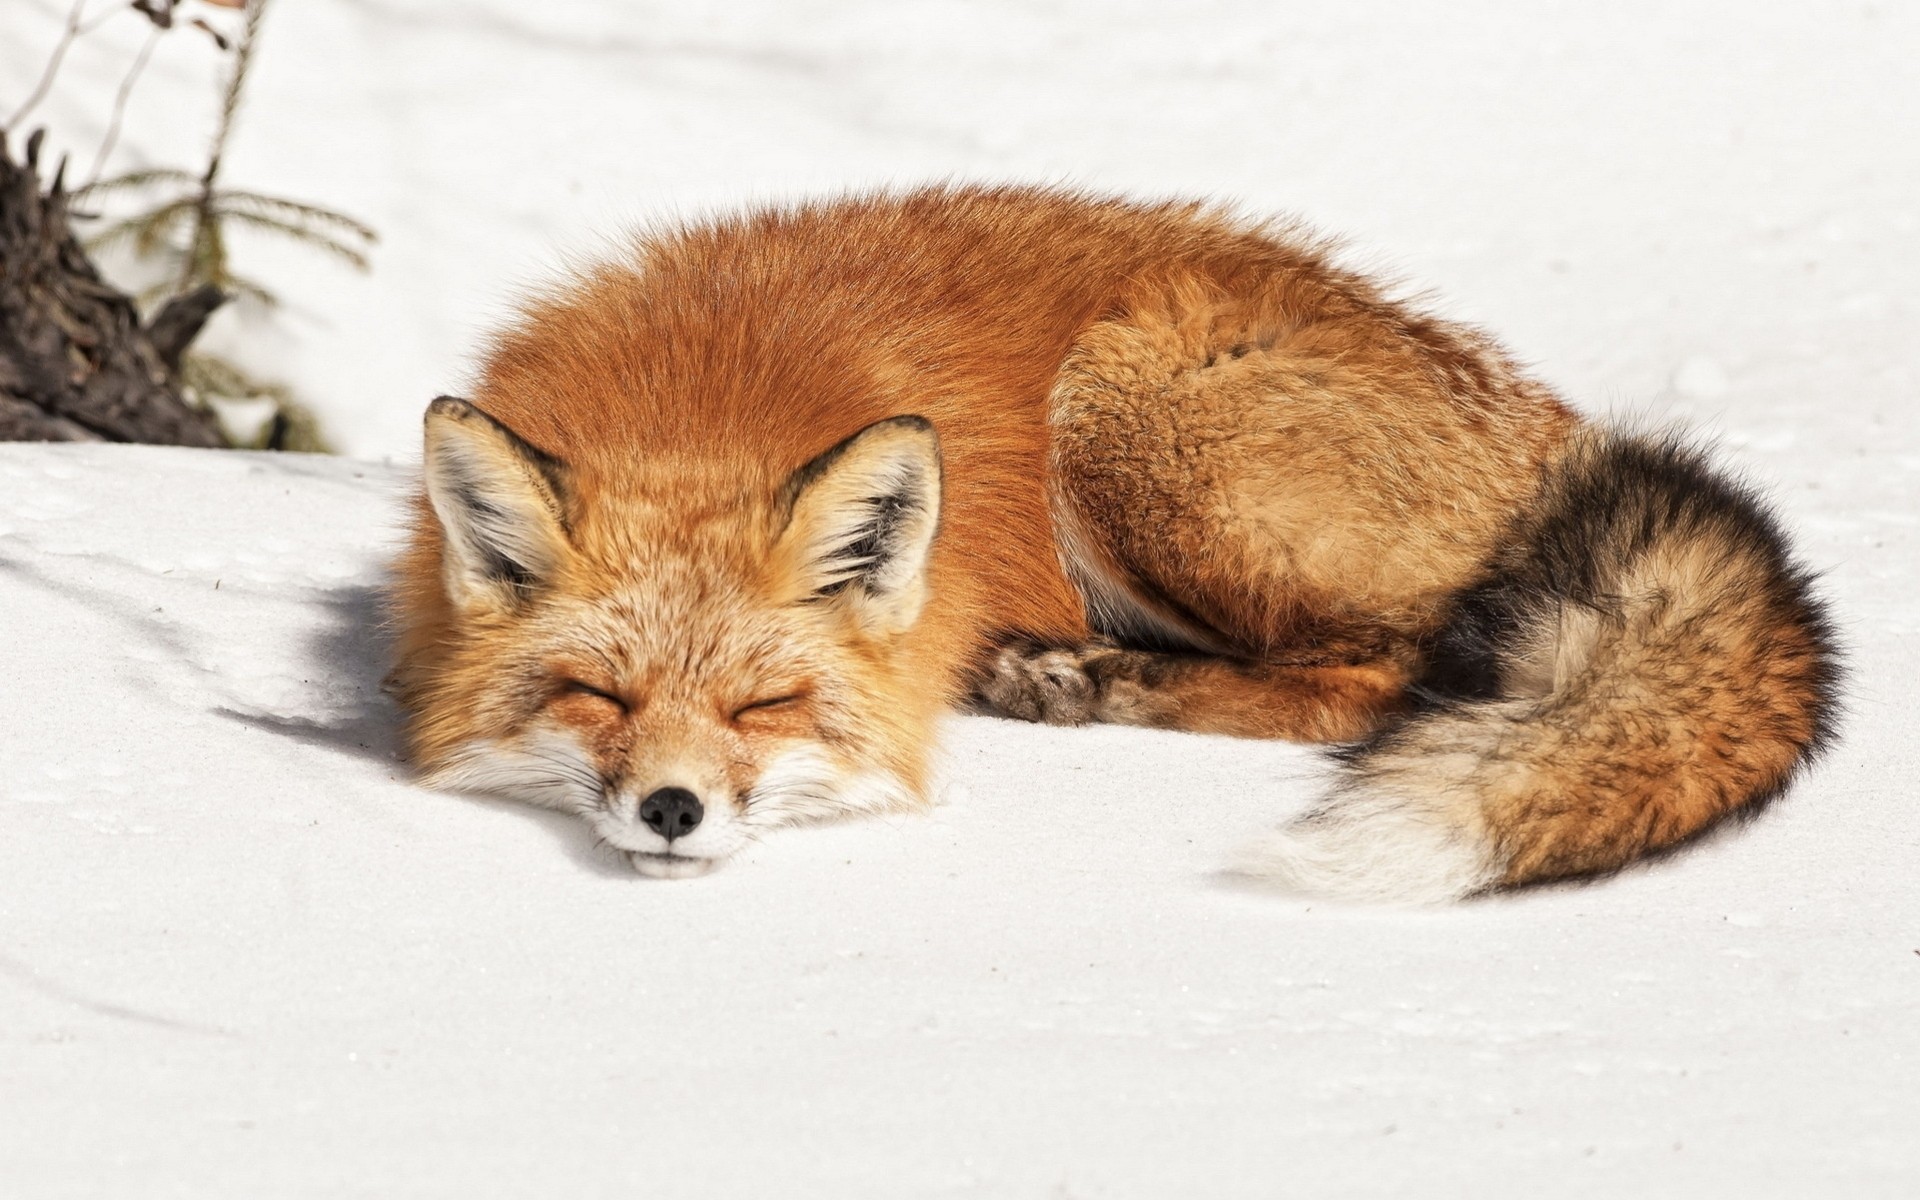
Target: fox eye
[(770, 702), (573, 687)]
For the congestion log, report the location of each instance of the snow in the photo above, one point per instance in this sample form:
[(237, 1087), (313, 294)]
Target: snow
[(240, 954)]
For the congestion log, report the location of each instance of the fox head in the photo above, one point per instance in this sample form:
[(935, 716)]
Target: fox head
[(679, 655)]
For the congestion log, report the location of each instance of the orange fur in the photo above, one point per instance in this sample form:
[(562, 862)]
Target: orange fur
[(1187, 473)]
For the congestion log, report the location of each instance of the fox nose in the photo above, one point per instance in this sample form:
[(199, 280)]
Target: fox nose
[(672, 812)]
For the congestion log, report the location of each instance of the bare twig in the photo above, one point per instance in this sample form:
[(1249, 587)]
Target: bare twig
[(120, 105), (73, 29)]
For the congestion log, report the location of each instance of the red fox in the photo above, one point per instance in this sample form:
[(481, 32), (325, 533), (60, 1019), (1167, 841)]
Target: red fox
[(730, 522)]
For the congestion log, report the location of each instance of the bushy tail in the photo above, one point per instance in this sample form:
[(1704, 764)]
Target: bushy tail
[(1642, 660)]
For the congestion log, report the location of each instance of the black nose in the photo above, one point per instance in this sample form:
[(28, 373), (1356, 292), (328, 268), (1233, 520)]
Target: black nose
[(672, 812)]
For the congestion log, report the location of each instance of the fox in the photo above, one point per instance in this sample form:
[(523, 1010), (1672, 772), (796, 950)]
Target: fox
[(730, 521)]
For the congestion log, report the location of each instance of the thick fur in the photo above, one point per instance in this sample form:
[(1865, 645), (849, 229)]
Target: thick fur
[(744, 513), (1642, 660)]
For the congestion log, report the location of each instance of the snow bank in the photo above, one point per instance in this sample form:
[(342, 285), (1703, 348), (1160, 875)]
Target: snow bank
[(243, 956)]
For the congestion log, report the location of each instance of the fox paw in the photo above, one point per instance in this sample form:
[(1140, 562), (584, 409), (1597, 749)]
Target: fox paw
[(1033, 683)]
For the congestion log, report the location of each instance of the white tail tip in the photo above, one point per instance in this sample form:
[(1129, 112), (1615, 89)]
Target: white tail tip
[(1374, 847)]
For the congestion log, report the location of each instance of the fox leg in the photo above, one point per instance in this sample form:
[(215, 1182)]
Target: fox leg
[(1198, 693)]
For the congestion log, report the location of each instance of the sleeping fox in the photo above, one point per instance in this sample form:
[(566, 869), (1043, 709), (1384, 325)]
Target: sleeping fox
[(731, 521)]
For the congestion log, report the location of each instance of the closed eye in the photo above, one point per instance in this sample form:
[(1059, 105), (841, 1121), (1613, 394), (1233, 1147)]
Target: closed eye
[(575, 687), (768, 703)]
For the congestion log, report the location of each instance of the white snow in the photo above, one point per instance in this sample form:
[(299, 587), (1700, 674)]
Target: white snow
[(241, 955)]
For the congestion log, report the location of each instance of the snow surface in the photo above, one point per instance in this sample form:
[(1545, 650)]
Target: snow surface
[(240, 955)]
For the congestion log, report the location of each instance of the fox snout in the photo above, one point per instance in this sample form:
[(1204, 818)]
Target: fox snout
[(672, 812), (668, 831)]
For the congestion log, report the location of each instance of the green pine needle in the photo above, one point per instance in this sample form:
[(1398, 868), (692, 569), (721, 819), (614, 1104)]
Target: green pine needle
[(300, 233), (151, 232), (295, 211), (135, 181)]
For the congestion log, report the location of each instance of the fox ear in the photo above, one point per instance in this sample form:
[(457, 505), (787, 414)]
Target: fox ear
[(499, 504), (861, 519)]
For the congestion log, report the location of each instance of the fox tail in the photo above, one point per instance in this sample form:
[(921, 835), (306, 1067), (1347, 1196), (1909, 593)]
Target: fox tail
[(1641, 660)]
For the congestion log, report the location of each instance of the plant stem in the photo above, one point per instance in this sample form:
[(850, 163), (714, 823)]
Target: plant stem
[(120, 105), (206, 252), (39, 93)]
